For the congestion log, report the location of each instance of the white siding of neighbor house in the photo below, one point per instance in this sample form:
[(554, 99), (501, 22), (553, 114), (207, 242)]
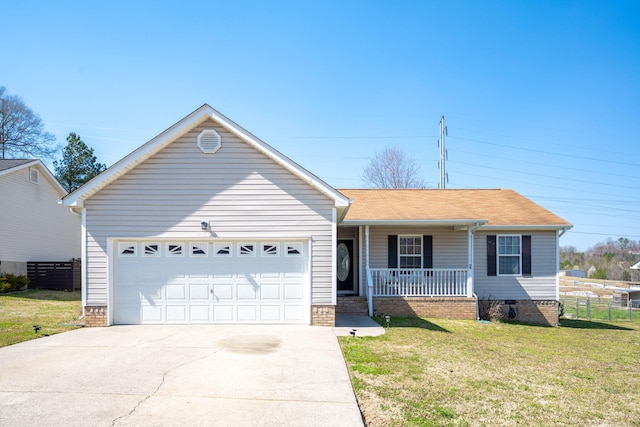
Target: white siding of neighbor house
[(540, 286), (243, 193), (449, 247), (33, 226)]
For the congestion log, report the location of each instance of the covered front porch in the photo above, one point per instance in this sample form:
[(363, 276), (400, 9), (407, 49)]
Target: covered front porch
[(407, 268)]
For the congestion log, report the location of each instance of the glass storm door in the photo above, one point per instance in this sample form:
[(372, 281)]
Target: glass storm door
[(346, 284)]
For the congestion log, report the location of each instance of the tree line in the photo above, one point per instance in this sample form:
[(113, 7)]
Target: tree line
[(608, 260), (22, 135)]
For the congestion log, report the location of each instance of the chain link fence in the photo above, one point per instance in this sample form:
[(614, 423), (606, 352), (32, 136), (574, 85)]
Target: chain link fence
[(596, 308)]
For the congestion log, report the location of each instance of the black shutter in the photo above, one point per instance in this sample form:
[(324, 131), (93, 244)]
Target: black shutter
[(526, 255), (427, 251), (393, 251), (491, 255)]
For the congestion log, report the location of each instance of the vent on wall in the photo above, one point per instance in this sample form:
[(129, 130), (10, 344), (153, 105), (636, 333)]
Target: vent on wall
[(34, 176), (209, 141)]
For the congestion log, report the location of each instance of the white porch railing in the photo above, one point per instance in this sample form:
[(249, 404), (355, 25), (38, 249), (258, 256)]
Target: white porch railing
[(441, 282)]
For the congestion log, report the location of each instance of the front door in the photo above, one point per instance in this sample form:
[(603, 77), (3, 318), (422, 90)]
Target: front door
[(346, 284)]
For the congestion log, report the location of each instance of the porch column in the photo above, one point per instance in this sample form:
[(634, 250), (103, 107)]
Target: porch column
[(470, 233), (368, 272)]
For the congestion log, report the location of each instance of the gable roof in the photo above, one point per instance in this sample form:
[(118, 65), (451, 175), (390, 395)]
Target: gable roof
[(77, 197), (492, 208), (8, 166)]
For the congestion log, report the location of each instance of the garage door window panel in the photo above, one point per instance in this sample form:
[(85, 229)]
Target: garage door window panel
[(294, 249), (270, 250), (127, 249), (151, 250), (246, 249), (222, 249), (175, 250), (199, 249)]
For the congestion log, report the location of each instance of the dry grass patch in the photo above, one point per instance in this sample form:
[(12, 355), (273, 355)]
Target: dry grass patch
[(460, 373), (53, 311)]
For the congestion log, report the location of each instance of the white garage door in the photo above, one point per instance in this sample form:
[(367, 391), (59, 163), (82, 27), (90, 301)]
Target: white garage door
[(210, 282)]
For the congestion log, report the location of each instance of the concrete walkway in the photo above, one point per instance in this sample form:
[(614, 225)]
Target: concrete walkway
[(178, 375), (359, 326)]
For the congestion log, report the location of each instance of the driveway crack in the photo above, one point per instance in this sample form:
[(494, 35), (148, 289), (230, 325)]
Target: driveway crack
[(157, 389)]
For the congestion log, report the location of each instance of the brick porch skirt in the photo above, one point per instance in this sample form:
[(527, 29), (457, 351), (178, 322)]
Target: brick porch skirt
[(450, 308)]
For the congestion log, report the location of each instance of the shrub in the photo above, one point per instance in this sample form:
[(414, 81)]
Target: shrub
[(12, 283), (490, 310)]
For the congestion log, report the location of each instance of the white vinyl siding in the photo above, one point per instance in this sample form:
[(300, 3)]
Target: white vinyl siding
[(541, 285), (242, 194), (33, 226)]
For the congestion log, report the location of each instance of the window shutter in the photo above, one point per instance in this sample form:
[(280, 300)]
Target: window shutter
[(427, 251), (491, 255), (392, 251), (526, 255)]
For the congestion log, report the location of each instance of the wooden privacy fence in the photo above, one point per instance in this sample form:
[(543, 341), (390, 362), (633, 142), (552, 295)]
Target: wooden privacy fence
[(64, 276)]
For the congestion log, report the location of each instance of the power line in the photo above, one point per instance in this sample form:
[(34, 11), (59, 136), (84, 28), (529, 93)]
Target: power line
[(547, 152)]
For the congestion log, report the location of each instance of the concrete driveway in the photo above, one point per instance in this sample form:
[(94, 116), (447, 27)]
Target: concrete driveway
[(178, 375)]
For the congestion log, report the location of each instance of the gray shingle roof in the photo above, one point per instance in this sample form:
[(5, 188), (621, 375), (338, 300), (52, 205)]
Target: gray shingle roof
[(12, 163)]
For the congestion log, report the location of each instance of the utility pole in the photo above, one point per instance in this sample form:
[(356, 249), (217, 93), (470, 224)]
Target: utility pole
[(444, 178)]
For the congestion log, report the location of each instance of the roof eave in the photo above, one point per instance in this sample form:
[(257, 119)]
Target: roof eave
[(416, 222), (527, 227)]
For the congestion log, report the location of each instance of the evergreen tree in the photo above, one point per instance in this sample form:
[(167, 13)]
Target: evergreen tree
[(78, 164)]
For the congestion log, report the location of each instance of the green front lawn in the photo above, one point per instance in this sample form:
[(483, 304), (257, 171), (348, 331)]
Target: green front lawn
[(436, 372), (54, 311)]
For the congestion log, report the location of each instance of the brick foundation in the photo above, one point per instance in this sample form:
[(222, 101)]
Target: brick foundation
[(536, 312), (352, 305), (450, 308), (323, 315), (95, 315)]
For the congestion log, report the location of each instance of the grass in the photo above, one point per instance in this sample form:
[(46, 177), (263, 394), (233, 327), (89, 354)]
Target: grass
[(54, 311), (436, 372)]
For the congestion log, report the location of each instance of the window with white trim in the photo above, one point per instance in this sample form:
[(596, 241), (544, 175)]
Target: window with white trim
[(410, 251), (509, 253)]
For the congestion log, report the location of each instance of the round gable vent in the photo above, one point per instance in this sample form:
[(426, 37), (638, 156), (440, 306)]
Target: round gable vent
[(209, 141)]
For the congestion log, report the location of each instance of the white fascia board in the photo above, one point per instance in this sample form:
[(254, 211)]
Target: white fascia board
[(546, 227), (431, 223)]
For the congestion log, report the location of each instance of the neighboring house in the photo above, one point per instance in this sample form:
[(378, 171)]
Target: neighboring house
[(206, 223), (34, 226), (635, 266)]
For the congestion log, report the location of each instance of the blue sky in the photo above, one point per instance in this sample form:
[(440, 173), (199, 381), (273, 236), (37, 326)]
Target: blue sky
[(539, 96)]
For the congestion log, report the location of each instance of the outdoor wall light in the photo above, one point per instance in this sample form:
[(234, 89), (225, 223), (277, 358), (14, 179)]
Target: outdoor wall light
[(204, 225)]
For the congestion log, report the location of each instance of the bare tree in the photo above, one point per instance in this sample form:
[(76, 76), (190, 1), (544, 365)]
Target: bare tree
[(391, 168), (21, 130)]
